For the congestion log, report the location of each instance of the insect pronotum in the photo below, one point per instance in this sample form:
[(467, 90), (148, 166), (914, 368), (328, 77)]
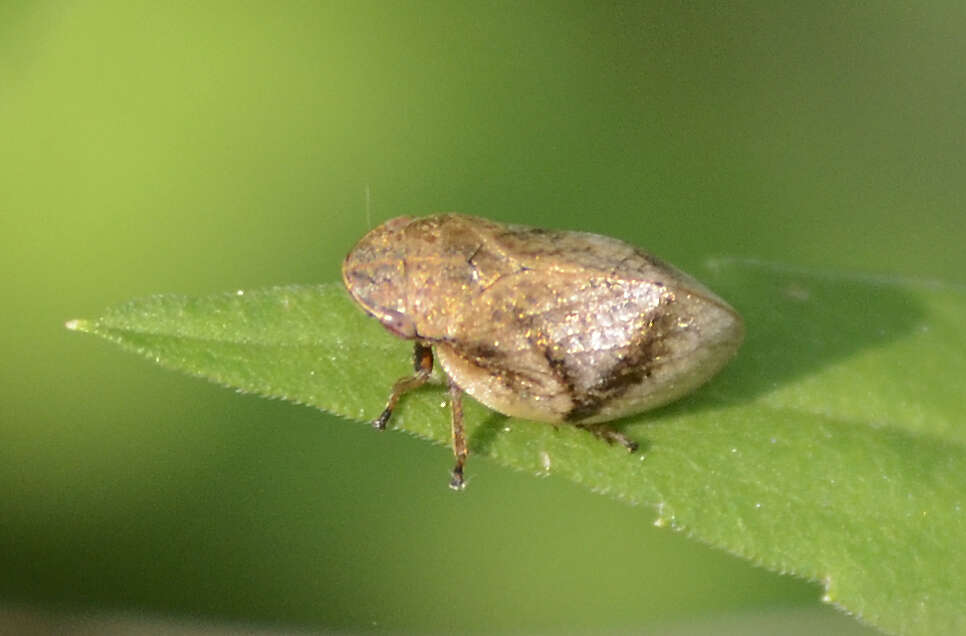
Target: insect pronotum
[(546, 325)]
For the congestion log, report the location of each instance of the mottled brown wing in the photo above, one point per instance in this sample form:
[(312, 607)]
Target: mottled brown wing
[(566, 326), (587, 327), (569, 343), (588, 254)]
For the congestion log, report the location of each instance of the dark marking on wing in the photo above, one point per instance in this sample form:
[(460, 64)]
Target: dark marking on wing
[(473, 255), (643, 355), (494, 362)]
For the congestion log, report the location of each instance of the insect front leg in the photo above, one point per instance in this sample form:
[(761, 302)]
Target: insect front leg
[(423, 367), (459, 438)]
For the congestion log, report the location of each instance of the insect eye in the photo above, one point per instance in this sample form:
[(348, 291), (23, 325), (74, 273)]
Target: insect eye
[(398, 323)]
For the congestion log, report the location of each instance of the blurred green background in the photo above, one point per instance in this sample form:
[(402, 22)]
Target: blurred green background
[(202, 147)]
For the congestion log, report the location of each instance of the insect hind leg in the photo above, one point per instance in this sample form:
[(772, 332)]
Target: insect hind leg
[(610, 435)]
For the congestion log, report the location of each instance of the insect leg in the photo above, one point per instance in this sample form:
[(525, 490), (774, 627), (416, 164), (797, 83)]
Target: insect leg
[(610, 435), (459, 438), (423, 366)]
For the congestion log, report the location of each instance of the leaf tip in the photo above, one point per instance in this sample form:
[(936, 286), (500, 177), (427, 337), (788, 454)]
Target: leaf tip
[(79, 325)]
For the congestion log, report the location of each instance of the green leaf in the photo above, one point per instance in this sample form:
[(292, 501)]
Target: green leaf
[(832, 448)]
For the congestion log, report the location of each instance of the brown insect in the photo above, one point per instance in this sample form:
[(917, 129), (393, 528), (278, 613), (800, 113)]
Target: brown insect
[(539, 324)]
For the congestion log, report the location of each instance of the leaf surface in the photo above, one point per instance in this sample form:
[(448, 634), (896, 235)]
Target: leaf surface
[(832, 448)]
